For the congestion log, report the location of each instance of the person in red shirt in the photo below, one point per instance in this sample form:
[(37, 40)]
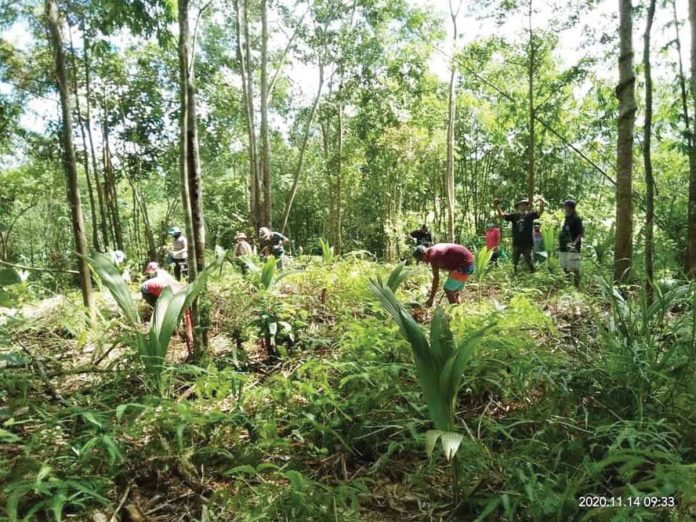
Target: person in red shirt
[(158, 280), (493, 241), (456, 259)]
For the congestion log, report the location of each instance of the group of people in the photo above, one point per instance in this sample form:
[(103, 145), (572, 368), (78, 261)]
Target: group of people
[(271, 244), (527, 240), (456, 259)]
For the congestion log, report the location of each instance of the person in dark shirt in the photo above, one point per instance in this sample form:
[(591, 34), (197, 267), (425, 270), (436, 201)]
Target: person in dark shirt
[(456, 259), (571, 241), (522, 230), (422, 236), (273, 243)]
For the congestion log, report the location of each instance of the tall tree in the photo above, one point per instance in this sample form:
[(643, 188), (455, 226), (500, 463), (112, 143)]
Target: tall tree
[(625, 92), (69, 160), (265, 142), (647, 156), (692, 149), (530, 99), (184, 144), (451, 125), (244, 59)]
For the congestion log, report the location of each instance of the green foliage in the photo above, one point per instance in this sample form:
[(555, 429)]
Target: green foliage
[(327, 252), (169, 310), (264, 276), (482, 260), (439, 363)]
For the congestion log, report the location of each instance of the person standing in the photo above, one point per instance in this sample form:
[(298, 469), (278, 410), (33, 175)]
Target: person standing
[(273, 243), (538, 241), (422, 236), (493, 241), (570, 240), (178, 254), (242, 250), (456, 259), (522, 225)]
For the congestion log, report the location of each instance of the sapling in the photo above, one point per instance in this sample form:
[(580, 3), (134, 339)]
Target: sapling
[(439, 365)]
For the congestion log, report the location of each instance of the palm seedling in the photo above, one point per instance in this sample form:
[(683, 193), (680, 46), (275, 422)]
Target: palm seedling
[(439, 362), (169, 310), (482, 260), (327, 252), (265, 277)]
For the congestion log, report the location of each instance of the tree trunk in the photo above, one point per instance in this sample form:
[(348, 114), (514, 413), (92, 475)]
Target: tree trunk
[(111, 191), (184, 164), (303, 148), (88, 113), (338, 236), (647, 157), (54, 27), (265, 144), (85, 162), (623, 250), (682, 77), (692, 149), (451, 122), (194, 168), (532, 137), (244, 59)]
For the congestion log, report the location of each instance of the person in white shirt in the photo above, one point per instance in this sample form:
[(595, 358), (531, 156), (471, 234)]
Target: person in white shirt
[(178, 255)]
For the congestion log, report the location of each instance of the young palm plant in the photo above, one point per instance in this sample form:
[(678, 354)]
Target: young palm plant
[(439, 363), (169, 310)]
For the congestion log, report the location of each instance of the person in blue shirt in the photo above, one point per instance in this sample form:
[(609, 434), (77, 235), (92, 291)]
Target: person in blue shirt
[(273, 243)]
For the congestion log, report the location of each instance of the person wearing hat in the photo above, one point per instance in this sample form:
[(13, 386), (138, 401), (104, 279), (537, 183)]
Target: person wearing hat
[(571, 241), (456, 259), (493, 241), (157, 280), (178, 254), (273, 243), (242, 249), (522, 230)]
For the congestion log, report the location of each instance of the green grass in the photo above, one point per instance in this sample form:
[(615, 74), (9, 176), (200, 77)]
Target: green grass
[(569, 394)]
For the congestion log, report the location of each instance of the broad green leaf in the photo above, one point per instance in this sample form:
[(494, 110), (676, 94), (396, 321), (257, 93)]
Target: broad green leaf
[(9, 276)]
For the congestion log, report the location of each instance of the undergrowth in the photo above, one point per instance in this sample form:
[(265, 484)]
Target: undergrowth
[(570, 394)]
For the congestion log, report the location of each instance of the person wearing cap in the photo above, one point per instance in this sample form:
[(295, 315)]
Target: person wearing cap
[(493, 241), (456, 259), (242, 249), (522, 234), (422, 236), (571, 241), (178, 254), (538, 241), (157, 280), (273, 243)]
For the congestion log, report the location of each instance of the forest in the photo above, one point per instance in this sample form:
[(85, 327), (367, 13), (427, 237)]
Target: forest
[(341, 260)]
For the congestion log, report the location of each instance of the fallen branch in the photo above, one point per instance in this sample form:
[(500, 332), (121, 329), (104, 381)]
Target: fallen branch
[(53, 392), (39, 269)]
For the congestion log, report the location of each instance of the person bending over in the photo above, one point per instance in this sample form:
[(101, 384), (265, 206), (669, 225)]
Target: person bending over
[(157, 280), (273, 243), (456, 259)]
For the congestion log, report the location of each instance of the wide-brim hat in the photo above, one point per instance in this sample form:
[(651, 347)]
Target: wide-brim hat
[(240, 235)]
